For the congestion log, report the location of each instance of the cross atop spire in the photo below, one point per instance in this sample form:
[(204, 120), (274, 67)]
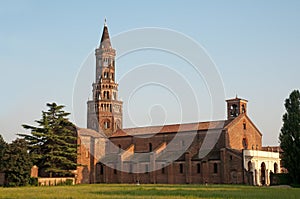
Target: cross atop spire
[(105, 22)]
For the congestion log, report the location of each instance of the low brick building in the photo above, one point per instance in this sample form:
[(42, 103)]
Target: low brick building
[(227, 151)]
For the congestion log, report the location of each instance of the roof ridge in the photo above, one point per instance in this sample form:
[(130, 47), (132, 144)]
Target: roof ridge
[(167, 125)]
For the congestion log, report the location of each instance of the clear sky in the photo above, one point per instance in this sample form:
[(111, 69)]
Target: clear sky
[(255, 45)]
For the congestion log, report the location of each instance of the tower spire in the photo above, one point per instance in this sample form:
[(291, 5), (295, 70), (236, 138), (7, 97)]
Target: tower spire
[(105, 40)]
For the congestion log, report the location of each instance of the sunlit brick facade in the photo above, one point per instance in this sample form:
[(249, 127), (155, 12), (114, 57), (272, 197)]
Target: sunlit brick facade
[(170, 153)]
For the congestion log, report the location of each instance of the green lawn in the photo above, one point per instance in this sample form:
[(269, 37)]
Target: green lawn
[(150, 191)]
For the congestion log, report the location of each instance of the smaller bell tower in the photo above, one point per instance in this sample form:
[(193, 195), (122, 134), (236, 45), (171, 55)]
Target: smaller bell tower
[(235, 107)]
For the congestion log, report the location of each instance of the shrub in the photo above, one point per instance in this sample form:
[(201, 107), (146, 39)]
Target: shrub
[(280, 179), (34, 181), (69, 182)]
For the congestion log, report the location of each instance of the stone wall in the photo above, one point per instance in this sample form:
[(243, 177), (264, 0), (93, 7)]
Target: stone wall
[(53, 181)]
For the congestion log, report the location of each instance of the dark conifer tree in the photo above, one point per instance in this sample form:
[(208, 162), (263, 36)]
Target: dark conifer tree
[(53, 144), (3, 146)]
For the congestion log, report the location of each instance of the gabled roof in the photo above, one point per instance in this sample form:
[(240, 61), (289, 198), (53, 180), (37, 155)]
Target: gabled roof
[(237, 119), (173, 128)]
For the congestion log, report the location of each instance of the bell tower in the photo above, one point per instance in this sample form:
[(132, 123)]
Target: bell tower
[(105, 110), (235, 107)]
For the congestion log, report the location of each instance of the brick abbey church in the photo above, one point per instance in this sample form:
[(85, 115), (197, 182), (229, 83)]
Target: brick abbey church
[(170, 153)]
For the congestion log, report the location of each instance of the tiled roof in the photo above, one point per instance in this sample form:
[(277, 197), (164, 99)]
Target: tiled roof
[(236, 98), (89, 132), (171, 128)]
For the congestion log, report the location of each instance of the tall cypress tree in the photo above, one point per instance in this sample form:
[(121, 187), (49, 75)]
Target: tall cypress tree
[(290, 136), (53, 144)]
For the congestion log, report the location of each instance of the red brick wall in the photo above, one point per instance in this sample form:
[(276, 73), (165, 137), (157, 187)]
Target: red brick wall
[(229, 162), (236, 133), (34, 173), (232, 166), (172, 172), (90, 150), (83, 159)]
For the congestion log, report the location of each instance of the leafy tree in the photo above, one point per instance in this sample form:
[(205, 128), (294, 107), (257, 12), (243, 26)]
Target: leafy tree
[(290, 136), (17, 163), (3, 146), (53, 144)]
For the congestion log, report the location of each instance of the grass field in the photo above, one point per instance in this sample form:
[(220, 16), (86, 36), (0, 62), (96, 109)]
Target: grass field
[(150, 191)]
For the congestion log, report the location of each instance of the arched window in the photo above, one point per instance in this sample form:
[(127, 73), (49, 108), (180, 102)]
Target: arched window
[(115, 169), (105, 62), (275, 168), (106, 124), (198, 168), (180, 168), (120, 148), (244, 143), (263, 173), (101, 169), (233, 110), (117, 124), (215, 168), (243, 109), (244, 126), (105, 74), (150, 147), (106, 95), (163, 168), (249, 166)]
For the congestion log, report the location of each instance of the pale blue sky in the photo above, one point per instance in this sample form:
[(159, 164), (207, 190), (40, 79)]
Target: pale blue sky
[(255, 45)]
